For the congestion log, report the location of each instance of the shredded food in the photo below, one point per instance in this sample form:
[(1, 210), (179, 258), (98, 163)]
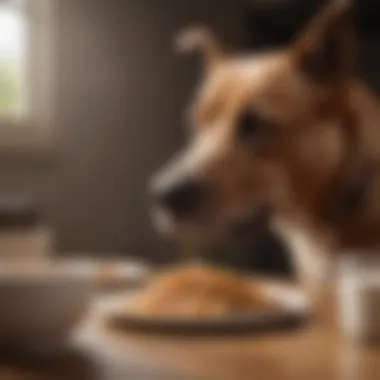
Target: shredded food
[(199, 291)]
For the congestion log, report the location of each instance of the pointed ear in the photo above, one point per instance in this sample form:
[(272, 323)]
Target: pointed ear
[(325, 52), (202, 40)]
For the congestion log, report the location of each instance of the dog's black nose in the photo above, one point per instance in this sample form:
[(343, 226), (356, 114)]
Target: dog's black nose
[(183, 199)]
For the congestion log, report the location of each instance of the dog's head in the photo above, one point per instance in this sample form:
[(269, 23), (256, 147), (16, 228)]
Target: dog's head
[(268, 131)]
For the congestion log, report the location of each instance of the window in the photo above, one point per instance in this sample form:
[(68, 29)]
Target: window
[(12, 61), (26, 64)]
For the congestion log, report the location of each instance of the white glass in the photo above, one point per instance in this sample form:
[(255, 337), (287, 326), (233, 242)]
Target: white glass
[(359, 296)]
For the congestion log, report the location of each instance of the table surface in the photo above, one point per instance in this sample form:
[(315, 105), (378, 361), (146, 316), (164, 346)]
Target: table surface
[(99, 353)]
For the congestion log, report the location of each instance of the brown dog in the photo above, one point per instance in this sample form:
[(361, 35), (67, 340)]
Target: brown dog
[(291, 135)]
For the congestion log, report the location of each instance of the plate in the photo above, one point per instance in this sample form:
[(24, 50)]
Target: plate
[(293, 312)]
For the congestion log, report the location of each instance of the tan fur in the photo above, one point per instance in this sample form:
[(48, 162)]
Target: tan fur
[(324, 128)]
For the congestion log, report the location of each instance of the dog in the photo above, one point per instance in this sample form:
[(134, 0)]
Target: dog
[(291, 137)]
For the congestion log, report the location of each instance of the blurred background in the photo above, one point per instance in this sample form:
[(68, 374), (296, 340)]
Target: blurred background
[(114, 111), (92, 99)]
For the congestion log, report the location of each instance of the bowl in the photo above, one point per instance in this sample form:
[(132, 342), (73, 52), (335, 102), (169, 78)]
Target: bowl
[(115, 274), (42, 302)]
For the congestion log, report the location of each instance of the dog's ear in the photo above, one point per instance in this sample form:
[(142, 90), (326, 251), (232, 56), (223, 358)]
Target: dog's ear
[(202, 40), (325, 52)]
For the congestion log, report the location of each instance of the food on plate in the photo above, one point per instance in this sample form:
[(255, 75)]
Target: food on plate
[(199, 291)]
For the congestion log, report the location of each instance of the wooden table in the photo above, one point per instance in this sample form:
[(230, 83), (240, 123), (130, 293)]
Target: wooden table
[(316, 353)]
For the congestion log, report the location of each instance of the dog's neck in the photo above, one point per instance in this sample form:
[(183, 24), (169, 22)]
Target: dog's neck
[(351, 219), (353, 211), (352, 196)]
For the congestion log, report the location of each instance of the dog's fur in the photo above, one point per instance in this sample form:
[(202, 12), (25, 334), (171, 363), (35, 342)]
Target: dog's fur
[(293, 129)]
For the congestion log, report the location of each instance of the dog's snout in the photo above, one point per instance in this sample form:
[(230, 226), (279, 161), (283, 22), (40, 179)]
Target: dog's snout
[(183, 199)]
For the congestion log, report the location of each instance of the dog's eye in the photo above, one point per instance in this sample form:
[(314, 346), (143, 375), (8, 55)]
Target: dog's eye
[(250, 126)]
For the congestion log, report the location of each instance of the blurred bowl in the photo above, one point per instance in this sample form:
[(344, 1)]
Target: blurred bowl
[(115, 274), (42, 302)]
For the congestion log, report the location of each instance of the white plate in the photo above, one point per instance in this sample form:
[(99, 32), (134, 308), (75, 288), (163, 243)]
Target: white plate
[(293, 312)]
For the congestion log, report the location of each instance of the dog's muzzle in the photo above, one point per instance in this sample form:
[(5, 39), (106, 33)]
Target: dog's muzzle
[(183, 200)]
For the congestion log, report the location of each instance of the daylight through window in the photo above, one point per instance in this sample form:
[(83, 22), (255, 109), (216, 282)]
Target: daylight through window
[(13, 60)]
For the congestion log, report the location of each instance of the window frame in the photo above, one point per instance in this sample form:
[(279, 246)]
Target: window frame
[(36, 133)]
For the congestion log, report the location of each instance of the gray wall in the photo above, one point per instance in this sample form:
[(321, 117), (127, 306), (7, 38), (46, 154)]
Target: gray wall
[(121, 91)]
